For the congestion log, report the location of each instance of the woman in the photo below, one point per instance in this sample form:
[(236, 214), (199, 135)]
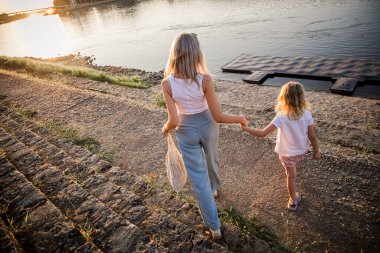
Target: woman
[(194, 110)]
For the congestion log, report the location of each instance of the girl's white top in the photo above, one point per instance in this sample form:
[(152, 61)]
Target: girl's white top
[(189, 97), (292, 138)]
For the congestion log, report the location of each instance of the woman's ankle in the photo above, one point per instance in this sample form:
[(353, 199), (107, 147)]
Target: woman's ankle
[(216, 234)]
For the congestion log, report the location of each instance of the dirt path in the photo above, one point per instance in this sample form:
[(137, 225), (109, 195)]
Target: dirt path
[(341, 204)]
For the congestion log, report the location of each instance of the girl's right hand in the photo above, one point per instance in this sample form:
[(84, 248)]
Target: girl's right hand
[(317, 155)]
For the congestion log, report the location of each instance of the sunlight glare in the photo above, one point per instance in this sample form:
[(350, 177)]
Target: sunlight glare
[(23, 5), (51, 11), (40, 36)]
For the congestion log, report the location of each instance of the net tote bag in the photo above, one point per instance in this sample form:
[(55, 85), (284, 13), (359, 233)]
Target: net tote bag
[(175, 168)]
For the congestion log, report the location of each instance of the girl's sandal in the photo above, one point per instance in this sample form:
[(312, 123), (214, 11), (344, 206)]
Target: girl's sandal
[(293, 206)]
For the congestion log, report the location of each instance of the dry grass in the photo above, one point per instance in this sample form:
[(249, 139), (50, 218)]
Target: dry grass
[(43, 68), (159, 100), (3, 153), (86, 232), (18, 228)]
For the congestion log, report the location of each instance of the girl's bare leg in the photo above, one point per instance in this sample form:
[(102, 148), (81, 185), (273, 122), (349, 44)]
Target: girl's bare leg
[(291, 174)]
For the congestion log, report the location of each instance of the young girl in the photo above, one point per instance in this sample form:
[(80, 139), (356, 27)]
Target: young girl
[(295, 127), (193, 109)]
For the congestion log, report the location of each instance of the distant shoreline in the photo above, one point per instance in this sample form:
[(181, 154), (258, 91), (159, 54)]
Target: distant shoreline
[(18, 15)]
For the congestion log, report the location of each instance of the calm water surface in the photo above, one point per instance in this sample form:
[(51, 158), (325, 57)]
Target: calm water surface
[(138, 34)]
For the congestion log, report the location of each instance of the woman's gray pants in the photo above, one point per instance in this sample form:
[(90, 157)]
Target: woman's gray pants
[(198, 136)]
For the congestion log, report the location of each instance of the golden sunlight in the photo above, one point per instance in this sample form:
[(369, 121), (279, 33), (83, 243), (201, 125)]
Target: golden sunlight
[(50, 11), (42, 36), (23, 5)]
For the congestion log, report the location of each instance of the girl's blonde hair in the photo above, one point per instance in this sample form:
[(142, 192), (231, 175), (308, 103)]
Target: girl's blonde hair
[(185, 58), (291, 100)]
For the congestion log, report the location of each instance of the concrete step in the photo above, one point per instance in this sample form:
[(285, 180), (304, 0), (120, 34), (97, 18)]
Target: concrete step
[(37, 224)]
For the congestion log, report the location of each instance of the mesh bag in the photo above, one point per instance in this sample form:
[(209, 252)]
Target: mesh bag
[(175, 168)]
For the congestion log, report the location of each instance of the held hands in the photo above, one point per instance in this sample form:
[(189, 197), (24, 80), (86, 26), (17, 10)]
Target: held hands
[(243, 127), (244, 121)]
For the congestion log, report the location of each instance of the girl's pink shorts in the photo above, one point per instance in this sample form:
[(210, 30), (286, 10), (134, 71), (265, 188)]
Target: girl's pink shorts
[(290, 161)]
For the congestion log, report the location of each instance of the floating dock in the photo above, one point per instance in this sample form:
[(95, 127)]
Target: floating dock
[(344, 72)]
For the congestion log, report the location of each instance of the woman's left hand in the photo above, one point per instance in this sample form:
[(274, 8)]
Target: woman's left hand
[(164, 130)]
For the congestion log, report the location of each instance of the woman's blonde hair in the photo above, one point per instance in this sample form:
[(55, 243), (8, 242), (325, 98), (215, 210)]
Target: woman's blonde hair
[(185, 58), (291, 100)]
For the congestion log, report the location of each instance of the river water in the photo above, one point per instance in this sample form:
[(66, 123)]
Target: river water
[(138, 34)]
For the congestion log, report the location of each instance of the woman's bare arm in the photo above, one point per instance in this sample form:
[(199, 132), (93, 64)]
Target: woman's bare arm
[(214, 106), (173, 120)]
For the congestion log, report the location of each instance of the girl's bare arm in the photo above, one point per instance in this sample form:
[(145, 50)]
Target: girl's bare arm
[(214, 106), (259, 132), (314, 142)]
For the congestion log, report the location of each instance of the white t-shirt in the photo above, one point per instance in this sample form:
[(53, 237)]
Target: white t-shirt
[(292, 136), (189, 98)]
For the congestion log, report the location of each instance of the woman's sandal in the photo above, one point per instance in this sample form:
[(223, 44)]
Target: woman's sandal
[(216, 234)]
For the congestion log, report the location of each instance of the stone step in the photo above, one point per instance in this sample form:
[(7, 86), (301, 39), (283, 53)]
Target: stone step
[(171, 233), (74, 151), (110, 231), (38, 225), (153, 197)]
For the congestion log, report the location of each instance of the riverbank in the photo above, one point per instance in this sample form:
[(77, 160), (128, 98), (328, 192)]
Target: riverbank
[(340, 208)]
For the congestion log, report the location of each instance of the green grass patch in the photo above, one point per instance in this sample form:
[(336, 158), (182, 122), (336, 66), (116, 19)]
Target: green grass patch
[(44, 68), (107, 156), (2, 98), (37, 183), (70, 134), (159, 100), (62, 131), (248, 226), (28, 113)]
